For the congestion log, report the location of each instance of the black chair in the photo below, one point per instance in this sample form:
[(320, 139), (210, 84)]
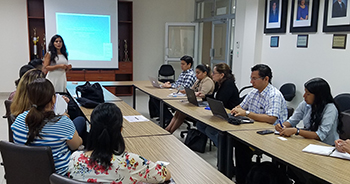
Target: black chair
[(241, 90), (58, 179), (346, 126), (288, 91), (343, 101), (10, 118), (166, 73), (26, 164)]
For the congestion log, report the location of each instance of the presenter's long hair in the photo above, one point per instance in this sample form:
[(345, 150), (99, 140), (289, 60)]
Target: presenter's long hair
[(105, 138), (53, 50), (40, 93), (322, 91)]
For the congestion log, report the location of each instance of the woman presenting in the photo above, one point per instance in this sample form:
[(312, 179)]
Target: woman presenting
[(56, 63)]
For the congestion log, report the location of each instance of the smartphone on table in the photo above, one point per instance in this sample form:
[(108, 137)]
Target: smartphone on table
[(263, 132)]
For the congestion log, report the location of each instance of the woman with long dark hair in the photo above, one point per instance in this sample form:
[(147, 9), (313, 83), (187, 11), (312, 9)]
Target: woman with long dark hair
[(41, 127), (56, 63), (106, 160), (319, 113), (203, 85)]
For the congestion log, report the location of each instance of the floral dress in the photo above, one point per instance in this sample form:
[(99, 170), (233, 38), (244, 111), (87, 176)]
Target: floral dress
[(125, 168)]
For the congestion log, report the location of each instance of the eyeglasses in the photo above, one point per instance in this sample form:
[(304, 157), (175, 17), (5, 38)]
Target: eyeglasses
[(214, 73), (254, 79)]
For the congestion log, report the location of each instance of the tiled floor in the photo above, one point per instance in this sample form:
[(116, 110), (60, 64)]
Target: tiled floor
[(141, 106)]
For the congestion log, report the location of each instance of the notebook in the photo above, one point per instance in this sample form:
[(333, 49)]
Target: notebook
[(218, 109), (191, 97), (326, 150), (154, 82)]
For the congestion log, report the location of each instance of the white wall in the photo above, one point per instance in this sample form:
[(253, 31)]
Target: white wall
[(14, 45), (291, 64), (149, 21)]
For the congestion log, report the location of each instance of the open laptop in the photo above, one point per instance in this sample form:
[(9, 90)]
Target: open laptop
[(191, 97), (218, 109), (155, 82)]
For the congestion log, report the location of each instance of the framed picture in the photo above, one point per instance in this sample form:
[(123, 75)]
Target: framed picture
[(274, 41), (336, 16), (304, 15), (339, 41), (302, 41), (275, 16)]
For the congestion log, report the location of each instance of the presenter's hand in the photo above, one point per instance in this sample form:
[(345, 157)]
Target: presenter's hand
[(68, 67), (287, 132), (62, 66), (199, 94), (167, 85), (238, 111)]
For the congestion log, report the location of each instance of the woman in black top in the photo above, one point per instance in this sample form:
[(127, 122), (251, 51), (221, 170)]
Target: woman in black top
[(225, 91)]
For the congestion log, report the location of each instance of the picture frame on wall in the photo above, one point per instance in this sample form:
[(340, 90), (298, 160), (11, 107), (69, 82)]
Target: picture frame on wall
[(339, 41), (274, 41), (304, 16), (336, 16), (302, 41), (275, 16)]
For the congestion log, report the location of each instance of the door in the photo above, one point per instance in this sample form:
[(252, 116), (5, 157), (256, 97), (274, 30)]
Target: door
[(219, 51), (181, 39)]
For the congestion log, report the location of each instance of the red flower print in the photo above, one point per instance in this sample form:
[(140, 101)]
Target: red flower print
[(116, 182), (91, 180)]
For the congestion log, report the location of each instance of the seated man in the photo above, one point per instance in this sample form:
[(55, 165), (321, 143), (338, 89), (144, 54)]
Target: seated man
[(186, 80), (265, 103)]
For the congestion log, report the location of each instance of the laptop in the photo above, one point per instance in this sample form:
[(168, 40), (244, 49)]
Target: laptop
[(218, 109), (155, 82), (191, 97)]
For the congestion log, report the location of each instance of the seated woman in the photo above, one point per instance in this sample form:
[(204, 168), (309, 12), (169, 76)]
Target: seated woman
[(225, 91), (319, 114), (41, 127), (203, 85), (106, 160), (21, 101)]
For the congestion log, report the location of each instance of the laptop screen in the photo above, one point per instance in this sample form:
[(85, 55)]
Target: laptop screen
[(217, 108)]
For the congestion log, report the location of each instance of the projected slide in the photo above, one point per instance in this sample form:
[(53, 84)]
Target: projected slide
[(87, 36)]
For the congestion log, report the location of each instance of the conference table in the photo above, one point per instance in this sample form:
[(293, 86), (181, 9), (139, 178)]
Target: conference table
[(206, 116), (185, 166), (289, 152)]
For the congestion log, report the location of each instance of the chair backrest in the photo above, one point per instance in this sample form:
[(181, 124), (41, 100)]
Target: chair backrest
[(343, 101), (346, 126), (241, 90), (288, 91), (166, 73), (58, 179), (10, 118), (26, 164)]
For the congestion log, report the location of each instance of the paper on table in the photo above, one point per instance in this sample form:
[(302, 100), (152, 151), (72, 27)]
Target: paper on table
[(338, 154), (137, 118), (60, 106), (176, 94), (317, 149)]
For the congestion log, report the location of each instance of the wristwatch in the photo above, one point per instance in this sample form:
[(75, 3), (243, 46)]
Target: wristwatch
[(247, 113), (298, 131)]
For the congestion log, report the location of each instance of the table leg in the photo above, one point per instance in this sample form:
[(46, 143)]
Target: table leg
[(229, 157), (161, 114), (222, 150), (134, 98)]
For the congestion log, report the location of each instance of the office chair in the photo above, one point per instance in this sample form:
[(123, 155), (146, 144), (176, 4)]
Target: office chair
[(26, 164), (241, 98), (288, 91), (343, 101), (166, 73), (58, 179), (346, 126), (10, 118)]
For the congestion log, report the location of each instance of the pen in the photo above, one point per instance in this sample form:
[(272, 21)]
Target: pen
[(280, 123), (136, 118)]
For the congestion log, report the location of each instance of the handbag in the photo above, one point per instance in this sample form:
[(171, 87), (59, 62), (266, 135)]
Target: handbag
[(91, 95), (196, 140)]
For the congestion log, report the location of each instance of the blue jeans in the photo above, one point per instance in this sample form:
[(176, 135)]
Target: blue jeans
[(80, 125), (212, 133)]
